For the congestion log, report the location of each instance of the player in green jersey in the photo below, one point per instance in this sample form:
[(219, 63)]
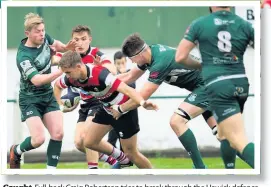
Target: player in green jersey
[(38, 106), (223, 38), (159, 60)]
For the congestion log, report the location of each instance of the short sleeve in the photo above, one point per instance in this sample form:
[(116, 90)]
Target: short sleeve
[(27, 67)]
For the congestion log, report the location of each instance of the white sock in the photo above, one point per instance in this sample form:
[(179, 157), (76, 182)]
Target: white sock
[(120, 156), (18, 150), (51, 167)]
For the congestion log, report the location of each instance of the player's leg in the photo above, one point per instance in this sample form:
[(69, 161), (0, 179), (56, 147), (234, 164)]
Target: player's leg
[(112, 137), (228, 154), (53, 120), (96, 130), (127, 128), (31, 115), (131, 151), (178, 123), (227, 110)]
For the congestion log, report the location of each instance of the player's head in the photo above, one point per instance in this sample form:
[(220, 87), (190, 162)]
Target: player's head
[(81, 34), (136, 49), (120, 62), (34, 28), (218, 8), (71, 64)]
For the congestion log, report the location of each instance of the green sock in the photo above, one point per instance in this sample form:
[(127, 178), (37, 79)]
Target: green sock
[(25, 146), (248, 154), (53, 152), (190, 144), (228, 154)]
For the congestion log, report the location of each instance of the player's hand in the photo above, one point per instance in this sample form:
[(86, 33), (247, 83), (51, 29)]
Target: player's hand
[(52, 50), (97, 60), (115, 113), (148, 105), (65, 109), (71, 45)]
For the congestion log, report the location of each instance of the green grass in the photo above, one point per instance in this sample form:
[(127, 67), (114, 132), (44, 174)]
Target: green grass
[(158, 163)]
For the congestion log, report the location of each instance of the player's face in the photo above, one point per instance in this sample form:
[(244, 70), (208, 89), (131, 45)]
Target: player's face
[(36, 35), (142, 58), (121, 65), (82, 40), (73, 72)]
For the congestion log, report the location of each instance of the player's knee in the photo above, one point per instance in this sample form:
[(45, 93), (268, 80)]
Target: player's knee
[(177, 121), (89, 143), (79, 144), (57, 135), (37, 141), (130, 152)]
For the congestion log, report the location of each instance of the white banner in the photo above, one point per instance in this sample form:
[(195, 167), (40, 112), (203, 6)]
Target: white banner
[(247, 13)]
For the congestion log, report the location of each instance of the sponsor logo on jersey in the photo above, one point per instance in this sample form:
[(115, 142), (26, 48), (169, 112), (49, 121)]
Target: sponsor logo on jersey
[(218, 21), (26, 65), (192, 97), (154, 75)]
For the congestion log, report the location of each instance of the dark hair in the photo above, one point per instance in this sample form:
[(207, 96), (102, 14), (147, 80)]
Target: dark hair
[(118, 55), (81, 28), (132, 45), (70, 59)]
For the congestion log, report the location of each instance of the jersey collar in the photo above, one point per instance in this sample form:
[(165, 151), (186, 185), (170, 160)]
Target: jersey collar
[(83, 55)]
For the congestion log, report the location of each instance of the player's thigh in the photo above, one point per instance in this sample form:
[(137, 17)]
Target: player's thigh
[(127, 125), (98, 127), (196, 102), (54, 123), (36, 129), (225, 97)]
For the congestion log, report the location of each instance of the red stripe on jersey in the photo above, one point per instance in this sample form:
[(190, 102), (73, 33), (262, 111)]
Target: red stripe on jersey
[(61, 84), (94, 80), (124, 99), (115, 85), (87, 59), (85, 97), (94, 51)]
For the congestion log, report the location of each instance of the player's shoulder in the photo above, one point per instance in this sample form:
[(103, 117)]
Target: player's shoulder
[(23, 54), (201, 20)]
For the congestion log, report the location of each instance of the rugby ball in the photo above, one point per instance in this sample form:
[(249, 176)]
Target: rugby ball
[(71, 97)]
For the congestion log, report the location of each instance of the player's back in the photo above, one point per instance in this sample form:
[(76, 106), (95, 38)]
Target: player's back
[(223, 38)]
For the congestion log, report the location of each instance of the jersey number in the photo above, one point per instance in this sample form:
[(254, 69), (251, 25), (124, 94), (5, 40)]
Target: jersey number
[(224, 43)]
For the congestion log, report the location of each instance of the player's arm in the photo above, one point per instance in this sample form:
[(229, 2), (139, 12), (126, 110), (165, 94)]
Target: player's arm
[(251, 34), (148, 89), (60, 47), (59, 85), (116, 85), (182, 54), (28, 70), (132, 75), (186, 45)]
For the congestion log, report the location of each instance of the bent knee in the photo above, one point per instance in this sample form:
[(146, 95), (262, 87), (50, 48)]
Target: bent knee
[(37, 141), (177, 120), (57, 135)]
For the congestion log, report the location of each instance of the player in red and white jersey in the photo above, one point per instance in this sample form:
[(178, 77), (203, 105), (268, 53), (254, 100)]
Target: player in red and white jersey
[(99, 82), (81, 35)]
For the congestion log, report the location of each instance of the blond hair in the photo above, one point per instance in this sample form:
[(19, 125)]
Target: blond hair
[(31, 20)]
